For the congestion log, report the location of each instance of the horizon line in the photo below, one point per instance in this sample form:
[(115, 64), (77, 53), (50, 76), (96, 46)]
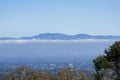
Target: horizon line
[(60, 33)]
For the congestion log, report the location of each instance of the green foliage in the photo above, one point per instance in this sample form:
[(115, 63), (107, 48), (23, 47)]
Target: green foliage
[(110, 61), (113, 56), (101, 63)]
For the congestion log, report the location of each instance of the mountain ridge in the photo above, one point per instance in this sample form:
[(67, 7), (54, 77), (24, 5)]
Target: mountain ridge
[(60, 36)]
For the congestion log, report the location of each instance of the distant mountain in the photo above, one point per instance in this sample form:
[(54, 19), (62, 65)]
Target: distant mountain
[(7, 38), (49, 36), (59, 36)]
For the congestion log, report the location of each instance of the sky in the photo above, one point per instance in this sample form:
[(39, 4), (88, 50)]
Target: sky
[(20, 18)]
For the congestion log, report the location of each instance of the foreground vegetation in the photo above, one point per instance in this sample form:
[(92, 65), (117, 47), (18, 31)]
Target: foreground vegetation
[(107, 67), (27, 73)]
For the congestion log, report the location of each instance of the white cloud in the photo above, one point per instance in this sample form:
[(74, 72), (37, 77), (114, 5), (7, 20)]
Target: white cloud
[(34, 41)]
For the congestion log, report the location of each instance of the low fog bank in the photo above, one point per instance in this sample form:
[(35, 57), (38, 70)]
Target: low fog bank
[(47, 41), (52, 48)]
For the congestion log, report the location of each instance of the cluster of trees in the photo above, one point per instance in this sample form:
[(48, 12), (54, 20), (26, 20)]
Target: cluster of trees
[(28, 73), (107, 66)]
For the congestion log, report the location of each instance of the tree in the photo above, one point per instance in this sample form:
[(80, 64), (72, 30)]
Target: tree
[(101, 65), (113, 56), (111, 59)]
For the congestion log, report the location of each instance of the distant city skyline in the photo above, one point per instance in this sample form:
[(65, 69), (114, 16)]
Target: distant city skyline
[(20, 18)]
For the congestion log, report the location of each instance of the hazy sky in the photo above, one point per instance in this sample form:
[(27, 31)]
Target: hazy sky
[(29, 17)]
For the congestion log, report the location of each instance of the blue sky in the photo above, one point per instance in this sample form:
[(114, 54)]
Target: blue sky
[(30, 17)]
